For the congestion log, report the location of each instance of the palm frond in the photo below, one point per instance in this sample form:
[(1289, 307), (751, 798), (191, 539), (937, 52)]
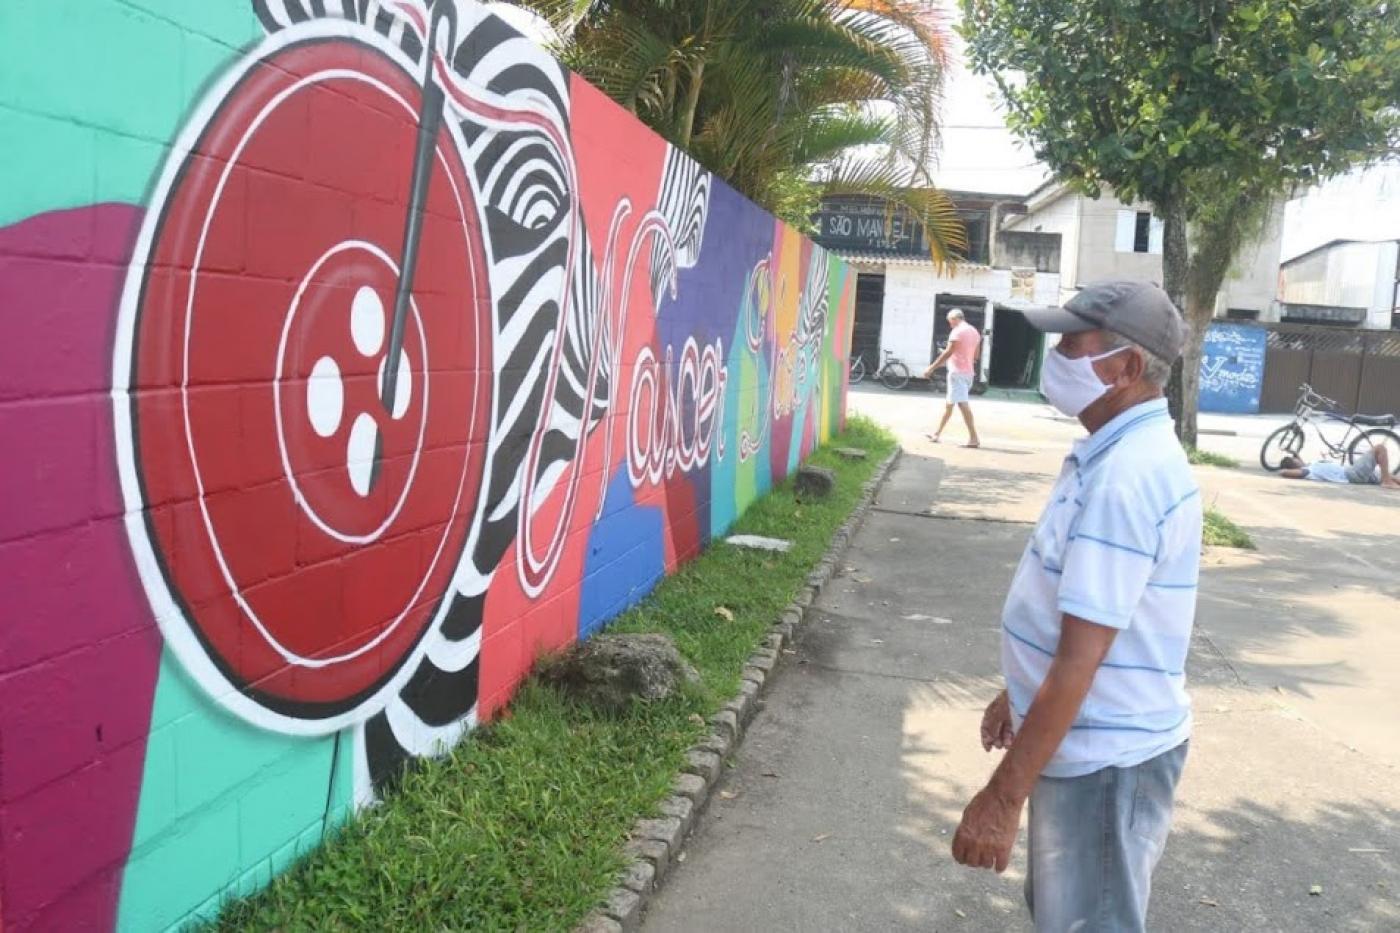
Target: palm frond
[(775, 96), (826, 135)]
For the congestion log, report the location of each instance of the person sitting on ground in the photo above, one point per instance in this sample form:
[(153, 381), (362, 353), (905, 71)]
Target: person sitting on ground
[(1370, 469)]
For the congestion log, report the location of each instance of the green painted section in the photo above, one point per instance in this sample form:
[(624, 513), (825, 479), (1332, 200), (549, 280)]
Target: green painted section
[(224, 805), (97, 92), (732, 484), (746, 474), (833, 367)]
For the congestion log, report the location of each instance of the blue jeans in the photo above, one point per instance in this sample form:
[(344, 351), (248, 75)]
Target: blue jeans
[(1094, 841)]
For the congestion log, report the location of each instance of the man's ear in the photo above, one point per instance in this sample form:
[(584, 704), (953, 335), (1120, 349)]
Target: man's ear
[(1134, 366)]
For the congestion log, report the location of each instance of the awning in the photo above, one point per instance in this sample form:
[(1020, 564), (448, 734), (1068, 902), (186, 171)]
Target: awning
[(884, 259)]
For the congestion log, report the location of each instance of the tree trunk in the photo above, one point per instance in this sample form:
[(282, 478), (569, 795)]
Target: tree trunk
[(1224, 222), (692, 102), (1188, 369), (1175, 265)]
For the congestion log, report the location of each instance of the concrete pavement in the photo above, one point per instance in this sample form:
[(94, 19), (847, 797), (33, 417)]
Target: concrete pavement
[(839, 808)]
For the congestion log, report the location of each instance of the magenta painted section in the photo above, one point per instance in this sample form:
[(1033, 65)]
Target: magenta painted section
[(79, 649)]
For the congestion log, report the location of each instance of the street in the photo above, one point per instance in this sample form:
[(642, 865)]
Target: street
[(840, 806)]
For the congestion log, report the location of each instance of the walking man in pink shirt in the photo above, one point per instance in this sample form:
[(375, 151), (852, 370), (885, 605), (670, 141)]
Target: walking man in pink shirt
[(961, 357)]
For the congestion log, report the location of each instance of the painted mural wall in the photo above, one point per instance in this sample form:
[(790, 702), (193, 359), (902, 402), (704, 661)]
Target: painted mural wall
[(354, 354)]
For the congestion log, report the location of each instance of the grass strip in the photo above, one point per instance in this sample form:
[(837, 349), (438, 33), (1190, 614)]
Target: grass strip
[(521, 826), (1199, 457), (1219, 531)]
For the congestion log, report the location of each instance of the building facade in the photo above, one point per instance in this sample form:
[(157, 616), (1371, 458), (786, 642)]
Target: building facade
[(1345, 282), (903, 298), (1105, 238)]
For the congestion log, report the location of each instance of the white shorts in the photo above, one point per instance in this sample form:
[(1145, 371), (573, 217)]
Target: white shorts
[(959, 388)]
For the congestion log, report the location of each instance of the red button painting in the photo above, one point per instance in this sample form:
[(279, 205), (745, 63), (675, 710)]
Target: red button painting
[(307, 497)]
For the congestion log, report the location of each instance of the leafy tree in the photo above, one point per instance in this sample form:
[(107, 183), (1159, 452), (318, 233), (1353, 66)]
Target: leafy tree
[(784, 99), (1210, 110)]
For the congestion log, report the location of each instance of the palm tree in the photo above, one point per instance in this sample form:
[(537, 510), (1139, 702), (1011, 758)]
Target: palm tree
[(784, 99)]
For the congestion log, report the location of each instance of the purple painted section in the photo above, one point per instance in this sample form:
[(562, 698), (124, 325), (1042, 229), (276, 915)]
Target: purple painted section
[(79, 651)]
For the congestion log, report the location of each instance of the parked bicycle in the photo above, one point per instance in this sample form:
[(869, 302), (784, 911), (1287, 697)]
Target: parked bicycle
[(1316, 411), (892, 372)]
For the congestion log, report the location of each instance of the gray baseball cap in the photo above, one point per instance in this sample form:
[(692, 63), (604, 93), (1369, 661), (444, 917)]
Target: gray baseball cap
[(1139, 311)]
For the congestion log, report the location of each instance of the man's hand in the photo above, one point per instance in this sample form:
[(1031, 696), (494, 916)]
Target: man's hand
[(988, 831), (997, 731), (989, 824)]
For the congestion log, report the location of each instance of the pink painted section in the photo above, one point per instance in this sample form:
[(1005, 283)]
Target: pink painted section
[(79, 649)]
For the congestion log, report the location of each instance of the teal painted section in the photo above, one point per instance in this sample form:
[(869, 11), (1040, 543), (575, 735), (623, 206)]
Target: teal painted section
[(754, 487), (224, 806), (799, 432), (97, 106)]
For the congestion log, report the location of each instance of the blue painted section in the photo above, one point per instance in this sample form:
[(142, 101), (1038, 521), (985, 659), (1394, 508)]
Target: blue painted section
[(707, 307), (1232, 368), (626, 557)]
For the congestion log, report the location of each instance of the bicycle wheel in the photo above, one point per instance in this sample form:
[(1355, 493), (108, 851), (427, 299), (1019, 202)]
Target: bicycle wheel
[(1285, 442), (1377, 437), (895, 375), (858, 371)]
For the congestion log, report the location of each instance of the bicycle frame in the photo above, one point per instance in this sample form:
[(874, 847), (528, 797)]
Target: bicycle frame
[(1314, 410)]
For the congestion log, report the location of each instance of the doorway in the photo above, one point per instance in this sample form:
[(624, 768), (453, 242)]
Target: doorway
[(870, 314), (974, 309), (1015, 362)]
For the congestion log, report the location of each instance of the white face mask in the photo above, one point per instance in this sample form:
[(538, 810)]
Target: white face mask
[(1071, 385)]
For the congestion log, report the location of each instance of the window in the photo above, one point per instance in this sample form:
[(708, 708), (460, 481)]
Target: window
[(978, 226), (1140, 235), (1138, 232), (1241, 314)]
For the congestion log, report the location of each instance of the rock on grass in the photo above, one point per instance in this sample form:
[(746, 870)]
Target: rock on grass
[(611, 671), (813, 483)]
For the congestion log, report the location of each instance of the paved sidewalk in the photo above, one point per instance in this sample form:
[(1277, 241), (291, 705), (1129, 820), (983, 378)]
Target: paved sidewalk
[(839, 810)]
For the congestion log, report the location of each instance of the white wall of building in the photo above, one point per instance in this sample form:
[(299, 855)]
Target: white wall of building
[(1253, 282), (1383, 299), (1099, 239), (911, 293), (1059, 216), (1347, 275), (1104, 254)]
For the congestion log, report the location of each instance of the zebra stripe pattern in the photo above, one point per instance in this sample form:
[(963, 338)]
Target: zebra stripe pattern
[(684, 200), (523, 190), (523, 187)]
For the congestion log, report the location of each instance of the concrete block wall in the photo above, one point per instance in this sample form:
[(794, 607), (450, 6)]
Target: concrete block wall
[(244, 582)]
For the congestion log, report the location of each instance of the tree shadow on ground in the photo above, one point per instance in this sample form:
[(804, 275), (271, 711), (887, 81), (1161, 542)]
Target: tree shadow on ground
[(1248, 862), (1294, 588), (927, 485)]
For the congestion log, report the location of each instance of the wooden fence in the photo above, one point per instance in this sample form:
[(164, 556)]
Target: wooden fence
[(1358, 368)]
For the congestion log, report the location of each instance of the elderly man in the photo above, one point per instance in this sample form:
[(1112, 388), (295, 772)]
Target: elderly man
[(1095, 717), (961, 358)]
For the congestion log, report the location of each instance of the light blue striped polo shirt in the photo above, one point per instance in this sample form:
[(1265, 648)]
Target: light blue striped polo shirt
[(1118, 544)]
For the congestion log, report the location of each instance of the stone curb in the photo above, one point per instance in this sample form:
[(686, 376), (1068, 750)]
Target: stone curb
[(656, 843)]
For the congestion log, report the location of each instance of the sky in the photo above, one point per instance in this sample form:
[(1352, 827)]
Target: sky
[(979, 152)]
